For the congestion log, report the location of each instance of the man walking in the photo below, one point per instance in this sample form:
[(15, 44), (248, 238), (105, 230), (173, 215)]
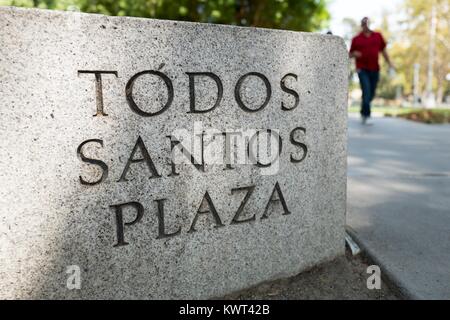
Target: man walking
[(365, 48)]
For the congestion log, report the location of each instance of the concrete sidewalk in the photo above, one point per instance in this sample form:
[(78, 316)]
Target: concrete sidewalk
[(399, 201)]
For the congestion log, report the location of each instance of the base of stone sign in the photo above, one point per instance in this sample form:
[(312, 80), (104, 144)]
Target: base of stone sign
[(342, 278)]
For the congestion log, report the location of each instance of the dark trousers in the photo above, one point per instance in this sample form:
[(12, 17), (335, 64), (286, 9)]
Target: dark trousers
[(368, 81)]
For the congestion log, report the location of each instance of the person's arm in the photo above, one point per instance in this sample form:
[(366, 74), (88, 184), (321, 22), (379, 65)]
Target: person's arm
[(386, 57), (384, 52), (353, 53)]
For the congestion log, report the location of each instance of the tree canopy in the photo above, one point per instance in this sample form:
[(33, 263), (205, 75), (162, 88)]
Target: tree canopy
[(299, 15), (413, 48)]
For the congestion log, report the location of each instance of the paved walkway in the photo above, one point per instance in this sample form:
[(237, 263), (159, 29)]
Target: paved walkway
[(399, 201)]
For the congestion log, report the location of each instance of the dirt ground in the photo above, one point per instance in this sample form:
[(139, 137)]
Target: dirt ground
[(343, 279)]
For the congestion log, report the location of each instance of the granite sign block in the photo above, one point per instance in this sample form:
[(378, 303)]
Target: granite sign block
[(159, 159)]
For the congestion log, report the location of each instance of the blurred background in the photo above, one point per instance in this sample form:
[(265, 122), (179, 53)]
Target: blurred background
[(417, 31)]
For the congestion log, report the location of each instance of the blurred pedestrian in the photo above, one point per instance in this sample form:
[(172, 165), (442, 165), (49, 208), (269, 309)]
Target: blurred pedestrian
[(365, 48)]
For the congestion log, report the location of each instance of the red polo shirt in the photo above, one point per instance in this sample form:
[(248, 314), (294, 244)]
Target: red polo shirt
[(369, 46)]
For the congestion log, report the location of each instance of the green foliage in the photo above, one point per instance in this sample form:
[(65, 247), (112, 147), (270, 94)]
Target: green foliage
[(412, 46), (428, 116), (300, 15)]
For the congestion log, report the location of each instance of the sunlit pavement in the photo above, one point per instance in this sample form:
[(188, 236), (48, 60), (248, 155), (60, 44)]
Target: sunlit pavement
[(399, 201)]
